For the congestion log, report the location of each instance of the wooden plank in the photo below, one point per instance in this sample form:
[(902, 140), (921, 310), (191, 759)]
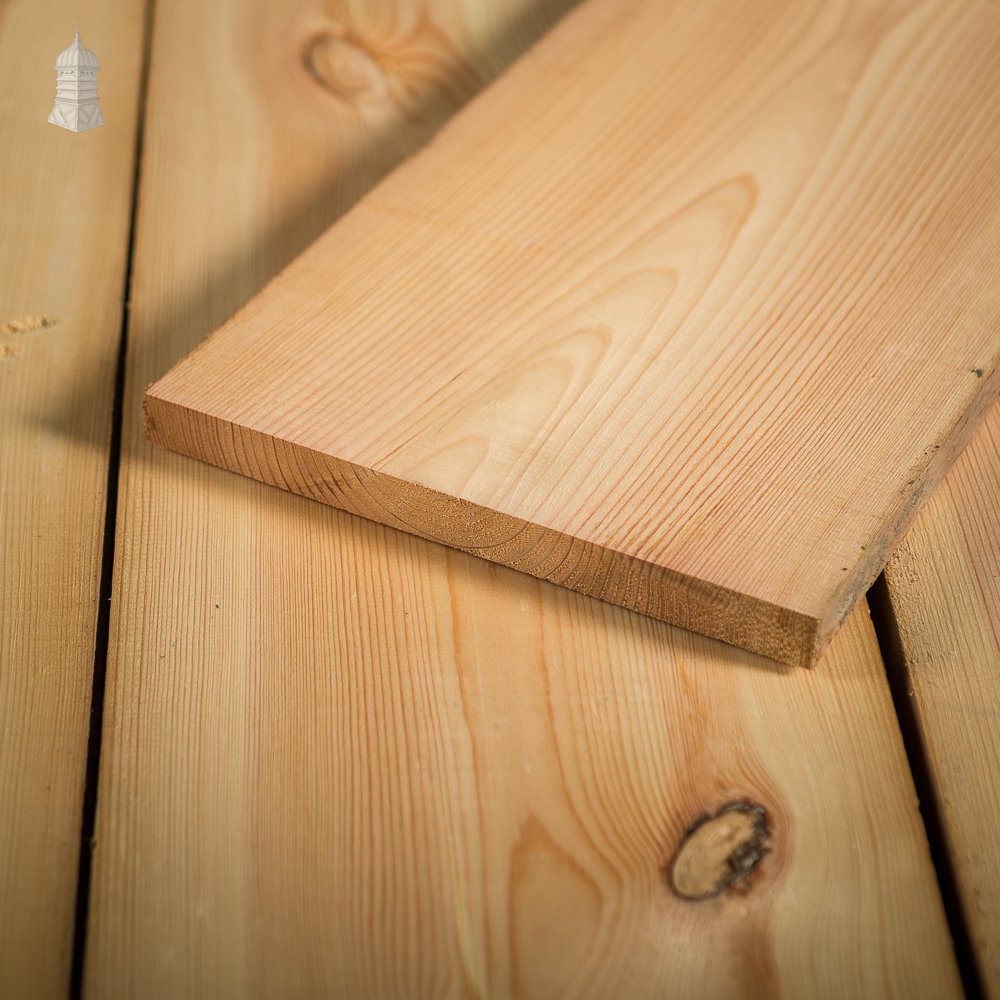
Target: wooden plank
[(944, 588), (685, 314), (65, 208), (339, 760)]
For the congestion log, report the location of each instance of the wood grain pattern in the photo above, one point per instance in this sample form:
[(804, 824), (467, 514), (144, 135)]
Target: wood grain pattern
[(944, 588), (65, 204), (339, 760), (685, 313)]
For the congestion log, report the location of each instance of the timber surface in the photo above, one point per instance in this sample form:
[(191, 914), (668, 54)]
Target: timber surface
[(944, 589), (65, 207), (687, 313), (340, 760), (337, 758)]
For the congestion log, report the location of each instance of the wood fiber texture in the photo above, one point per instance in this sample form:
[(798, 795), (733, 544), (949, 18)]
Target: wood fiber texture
[(65, 208), (944, 589), (685, 313), (339, 760)]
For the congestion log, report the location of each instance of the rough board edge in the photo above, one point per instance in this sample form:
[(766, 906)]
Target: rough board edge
[(926, 474), (741, 620)]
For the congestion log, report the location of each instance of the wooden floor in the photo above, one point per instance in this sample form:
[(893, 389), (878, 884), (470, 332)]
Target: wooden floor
[(329, 759)]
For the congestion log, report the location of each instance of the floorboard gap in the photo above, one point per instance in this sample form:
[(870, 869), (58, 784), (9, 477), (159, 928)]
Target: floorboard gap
[(92, 772), (891, 648)]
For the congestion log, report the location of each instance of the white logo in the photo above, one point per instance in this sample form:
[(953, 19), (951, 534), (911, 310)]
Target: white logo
[(76, 106)]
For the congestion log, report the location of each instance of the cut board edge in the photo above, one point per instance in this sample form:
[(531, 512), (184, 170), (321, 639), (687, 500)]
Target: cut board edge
[(749, 623), (786, 635)]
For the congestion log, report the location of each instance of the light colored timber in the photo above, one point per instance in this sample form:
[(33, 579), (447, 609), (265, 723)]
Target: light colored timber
[(686, 313), (342, 761), (65, 204), (944, 589)]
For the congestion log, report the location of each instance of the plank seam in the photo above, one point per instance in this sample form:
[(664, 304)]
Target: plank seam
[(928, 801), (103, 624)]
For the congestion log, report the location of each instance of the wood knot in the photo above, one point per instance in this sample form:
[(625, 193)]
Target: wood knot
[(27, 324), (342, 64), (719, 851)]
